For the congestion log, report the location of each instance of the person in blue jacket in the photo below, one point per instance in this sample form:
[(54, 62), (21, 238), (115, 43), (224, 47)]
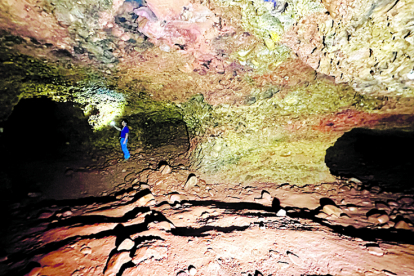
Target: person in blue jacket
[(124, 138)]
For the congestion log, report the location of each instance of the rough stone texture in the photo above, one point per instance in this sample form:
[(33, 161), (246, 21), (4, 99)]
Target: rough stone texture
[(378, 218), (332, 210), (239, 97), (271, 85), (127, 244), (230, 225), (115, 263)]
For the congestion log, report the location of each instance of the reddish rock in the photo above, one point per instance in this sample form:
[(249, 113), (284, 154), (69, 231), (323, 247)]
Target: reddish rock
[(378, 218), (382, 206), (116, 262), (402, 225), (406, 200), (165, 169), (140, 255), (332, 210), (127, 244)]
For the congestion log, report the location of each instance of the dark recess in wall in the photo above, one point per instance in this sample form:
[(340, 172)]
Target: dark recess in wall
[(384, 158), (38, 139), (40, 129)]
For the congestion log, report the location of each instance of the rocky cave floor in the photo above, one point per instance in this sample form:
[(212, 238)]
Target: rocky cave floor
[(149, 217)]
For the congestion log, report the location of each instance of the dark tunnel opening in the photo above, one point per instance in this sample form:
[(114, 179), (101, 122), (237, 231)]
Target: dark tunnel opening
[(40, 129), (39, 136), (376, 157)]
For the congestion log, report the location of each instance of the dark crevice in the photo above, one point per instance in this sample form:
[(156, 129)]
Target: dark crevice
[(201, 232), (383, 158), (387, 235), (38, 137)]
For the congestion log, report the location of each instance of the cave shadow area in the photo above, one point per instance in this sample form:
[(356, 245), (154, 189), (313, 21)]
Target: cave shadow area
[(39, 138), (376, 157)]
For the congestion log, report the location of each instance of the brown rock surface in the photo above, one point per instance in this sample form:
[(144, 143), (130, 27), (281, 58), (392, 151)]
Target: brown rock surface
[(221, 229), (116, 262)]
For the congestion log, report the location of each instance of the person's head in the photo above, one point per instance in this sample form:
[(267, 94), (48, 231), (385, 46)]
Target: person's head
[(124, 122)]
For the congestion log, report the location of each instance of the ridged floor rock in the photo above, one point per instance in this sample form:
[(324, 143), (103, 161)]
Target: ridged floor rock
[(116, 262)]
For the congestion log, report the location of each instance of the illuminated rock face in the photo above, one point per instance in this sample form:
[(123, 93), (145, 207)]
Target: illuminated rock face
[(263, 88), (263, 135)]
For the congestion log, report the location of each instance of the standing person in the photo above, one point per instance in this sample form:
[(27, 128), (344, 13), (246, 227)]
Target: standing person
[(124, 138)]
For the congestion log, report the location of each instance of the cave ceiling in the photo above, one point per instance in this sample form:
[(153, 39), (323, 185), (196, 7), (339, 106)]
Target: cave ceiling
[(222, 49), (240, 73)]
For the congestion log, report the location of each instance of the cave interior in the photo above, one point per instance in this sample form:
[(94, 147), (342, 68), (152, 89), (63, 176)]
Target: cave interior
[(266, 137)]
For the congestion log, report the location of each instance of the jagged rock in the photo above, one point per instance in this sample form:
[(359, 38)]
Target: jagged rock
[(402, 225), (147, 200), (392, 203), (116, 262), (281, 213), (322, 215), (191, 182), (332, 210), (140, 255), (157, 252), (265, 199), (165, 169), (382, 206), (266, 196), (121, 186), (391, 223), (145, 186), (162, 225), (378, 218), (175, 198), (120, 210), (374, 249), (352, 208), (127, 244), (205, 215)]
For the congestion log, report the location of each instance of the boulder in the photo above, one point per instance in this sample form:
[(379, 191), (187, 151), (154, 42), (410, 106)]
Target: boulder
[(332, 210)]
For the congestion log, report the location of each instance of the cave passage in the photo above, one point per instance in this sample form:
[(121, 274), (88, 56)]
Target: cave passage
[(41, 129), (39, 137), (383, 158)]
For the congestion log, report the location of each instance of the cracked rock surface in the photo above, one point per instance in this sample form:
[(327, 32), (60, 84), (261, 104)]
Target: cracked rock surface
[(160, 227)]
